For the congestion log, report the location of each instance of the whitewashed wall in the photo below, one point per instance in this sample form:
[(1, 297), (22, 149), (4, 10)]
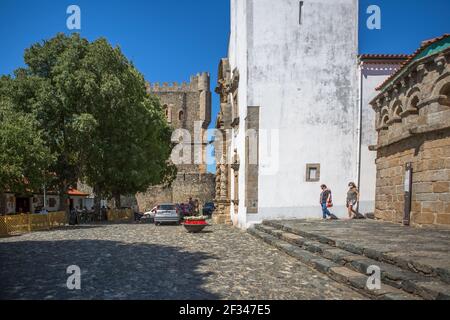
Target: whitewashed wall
[(10, 203), (305, 79), (237, 55), (373, 74)]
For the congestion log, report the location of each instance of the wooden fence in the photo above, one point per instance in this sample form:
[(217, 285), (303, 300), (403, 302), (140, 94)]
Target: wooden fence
[(120, 215), (23, 223)]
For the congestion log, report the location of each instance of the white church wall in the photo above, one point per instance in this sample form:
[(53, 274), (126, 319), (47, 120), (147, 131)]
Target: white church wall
[(304, 78), (373, 74), (238, 61)]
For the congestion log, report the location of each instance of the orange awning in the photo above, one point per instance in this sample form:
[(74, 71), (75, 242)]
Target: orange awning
[(76, 193)]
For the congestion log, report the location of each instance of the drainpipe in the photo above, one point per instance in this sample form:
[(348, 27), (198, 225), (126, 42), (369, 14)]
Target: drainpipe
[(360, 111)]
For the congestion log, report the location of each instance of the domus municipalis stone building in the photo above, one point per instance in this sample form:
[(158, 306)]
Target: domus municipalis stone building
[(413, 124)]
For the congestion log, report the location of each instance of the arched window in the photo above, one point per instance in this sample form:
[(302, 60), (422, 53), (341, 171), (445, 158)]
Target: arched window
[(398, 111), (385, 121), (445, 92), (384, 118), (414, 102), (168, 112), (181, 115)]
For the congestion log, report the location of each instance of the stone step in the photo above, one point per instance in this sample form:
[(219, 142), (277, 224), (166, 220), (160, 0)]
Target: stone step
[(335, 271), (430, 271), (411, 282)]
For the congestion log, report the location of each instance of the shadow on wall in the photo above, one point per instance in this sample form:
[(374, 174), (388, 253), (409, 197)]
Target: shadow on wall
[(110, 270)]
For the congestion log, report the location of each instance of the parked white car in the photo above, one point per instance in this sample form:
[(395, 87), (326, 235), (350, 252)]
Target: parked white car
[(150, 214), (167, 213)]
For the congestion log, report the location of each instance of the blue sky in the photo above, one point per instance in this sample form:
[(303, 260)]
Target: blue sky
[(169, 40)]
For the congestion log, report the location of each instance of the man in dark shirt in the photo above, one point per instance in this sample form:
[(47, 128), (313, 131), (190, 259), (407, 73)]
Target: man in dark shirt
[(191, 206), (325, 199)]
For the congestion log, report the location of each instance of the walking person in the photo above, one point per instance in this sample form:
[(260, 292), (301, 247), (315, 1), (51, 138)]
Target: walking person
[(352, 200), (197, 206), (191, 206), (326, 201)]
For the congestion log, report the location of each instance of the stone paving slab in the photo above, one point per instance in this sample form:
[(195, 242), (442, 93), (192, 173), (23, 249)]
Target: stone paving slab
[(427, 287), (342, 274), (425, 250), (148, 262)]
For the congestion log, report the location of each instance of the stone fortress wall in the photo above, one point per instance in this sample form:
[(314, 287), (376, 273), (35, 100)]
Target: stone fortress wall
[(187, 106)]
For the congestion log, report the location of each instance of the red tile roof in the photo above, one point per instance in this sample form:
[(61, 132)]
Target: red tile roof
[(431, 41), (425, 44), (76, 193), (71, 192), (384, 56)]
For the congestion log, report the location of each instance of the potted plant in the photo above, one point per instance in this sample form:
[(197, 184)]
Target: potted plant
[(195, 224)]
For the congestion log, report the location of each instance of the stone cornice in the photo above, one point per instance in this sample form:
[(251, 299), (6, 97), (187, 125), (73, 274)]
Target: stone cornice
[(414, 131)]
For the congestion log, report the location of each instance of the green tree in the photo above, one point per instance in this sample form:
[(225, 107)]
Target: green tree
[(24, 158), (130, 143), (95, 116)]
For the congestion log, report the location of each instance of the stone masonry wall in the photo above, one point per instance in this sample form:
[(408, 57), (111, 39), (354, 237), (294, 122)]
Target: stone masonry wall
[(413, 124), (430, 156), (197, 186), (187, 106)]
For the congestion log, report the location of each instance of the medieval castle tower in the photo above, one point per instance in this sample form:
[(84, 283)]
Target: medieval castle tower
[(187, 106)]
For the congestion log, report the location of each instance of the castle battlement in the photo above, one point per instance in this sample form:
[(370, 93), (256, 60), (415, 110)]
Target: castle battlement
[(199, 82)]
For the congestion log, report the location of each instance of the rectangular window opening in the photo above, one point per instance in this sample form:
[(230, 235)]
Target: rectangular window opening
[(313, 172)]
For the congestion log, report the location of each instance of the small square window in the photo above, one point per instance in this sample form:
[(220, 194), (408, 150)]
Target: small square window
[(313, 172)]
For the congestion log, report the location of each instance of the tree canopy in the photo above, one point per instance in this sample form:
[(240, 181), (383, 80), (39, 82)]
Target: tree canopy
[(89, 110), (24, 157)]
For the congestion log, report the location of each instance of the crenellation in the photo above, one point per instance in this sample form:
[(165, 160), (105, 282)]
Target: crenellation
[(200, 82)]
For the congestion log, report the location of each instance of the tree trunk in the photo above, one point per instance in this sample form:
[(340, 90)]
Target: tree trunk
[(2, 204), (117, 200), (97, 201), (63, 199)]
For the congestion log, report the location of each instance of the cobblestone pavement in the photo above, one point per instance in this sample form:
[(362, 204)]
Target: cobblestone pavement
[(148, 262)]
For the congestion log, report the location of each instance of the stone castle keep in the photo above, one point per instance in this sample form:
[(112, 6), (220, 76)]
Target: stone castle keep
[(187, 106)]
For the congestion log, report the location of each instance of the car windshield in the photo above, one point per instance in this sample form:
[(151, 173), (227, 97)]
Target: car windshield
[(167, 207)]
